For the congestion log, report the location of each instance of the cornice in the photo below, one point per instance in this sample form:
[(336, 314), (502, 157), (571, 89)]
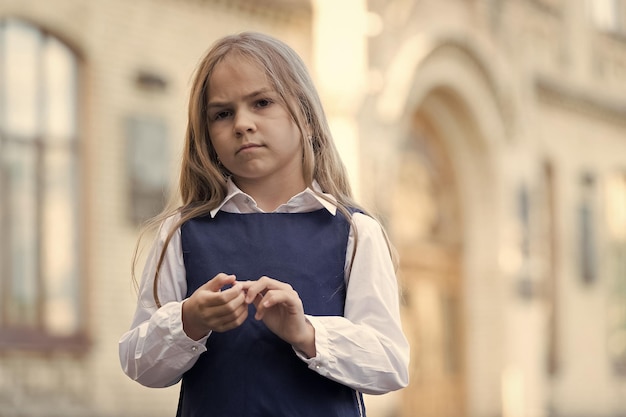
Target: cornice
[(265, 9), (593, 103)]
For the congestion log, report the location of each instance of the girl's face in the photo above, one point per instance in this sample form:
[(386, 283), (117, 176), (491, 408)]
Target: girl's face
[(252, 133)]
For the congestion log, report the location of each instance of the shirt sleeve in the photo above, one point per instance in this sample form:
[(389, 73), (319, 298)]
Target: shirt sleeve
[(156, 351), (365, 349)]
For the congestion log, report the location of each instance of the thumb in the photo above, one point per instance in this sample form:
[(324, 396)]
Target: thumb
[(219, 281)]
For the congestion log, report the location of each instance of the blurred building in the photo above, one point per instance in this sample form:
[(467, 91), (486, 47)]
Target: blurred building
[(489, 135)]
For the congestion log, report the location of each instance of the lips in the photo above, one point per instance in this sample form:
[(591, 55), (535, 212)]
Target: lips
[(248, 146)]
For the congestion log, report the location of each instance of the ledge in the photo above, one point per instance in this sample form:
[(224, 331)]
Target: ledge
[(597, 104), (15, 339)]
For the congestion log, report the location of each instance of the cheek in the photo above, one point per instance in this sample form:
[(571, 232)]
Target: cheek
[(291, 127), (217, 140), (218, 150), (298, 140)]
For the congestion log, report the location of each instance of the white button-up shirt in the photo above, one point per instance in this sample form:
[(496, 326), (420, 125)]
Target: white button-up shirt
[(365, 349)]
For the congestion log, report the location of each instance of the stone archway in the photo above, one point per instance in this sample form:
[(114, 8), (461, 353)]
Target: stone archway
[(426, 229), (445, 99)]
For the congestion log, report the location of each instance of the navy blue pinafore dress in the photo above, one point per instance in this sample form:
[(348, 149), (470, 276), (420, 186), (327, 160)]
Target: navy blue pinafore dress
[(248, 371)]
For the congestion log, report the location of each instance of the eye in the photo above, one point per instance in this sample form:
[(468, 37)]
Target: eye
[(223, 114), (264, 102)]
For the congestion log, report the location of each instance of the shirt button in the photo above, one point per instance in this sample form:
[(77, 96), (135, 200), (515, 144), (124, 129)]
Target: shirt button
[(194, 349)]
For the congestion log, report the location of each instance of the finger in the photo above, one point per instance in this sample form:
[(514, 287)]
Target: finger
[(226, 316), (275, 297), (261, 286), (218, 282), (259, 310), (255, 288), (287, 301), (226, 303), (209, 298), (231, 321)]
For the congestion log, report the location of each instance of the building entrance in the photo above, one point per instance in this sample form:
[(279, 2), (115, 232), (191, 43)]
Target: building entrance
[(425, 228)]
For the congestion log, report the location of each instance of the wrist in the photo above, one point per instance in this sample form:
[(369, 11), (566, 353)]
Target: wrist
[(306, 344), (191, 329)]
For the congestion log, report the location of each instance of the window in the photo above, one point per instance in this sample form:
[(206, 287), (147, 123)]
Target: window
[(39, 204), (608, 15), (587, 245), (616, 224), (548, 249), (147, 163)]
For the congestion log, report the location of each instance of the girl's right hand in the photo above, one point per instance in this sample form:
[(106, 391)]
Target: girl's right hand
[(211, 309)]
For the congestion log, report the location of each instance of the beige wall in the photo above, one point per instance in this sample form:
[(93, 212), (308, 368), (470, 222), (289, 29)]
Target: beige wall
[(509, 84), (117, 39)]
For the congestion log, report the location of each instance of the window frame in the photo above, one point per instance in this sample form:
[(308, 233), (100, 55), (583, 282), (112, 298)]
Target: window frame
[(616, 25), (39, 337)]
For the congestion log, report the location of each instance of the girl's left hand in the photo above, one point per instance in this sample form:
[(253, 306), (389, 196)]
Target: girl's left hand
[(280, 308)]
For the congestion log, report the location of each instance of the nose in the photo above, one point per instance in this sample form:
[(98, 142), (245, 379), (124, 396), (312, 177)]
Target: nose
[(244, 123)]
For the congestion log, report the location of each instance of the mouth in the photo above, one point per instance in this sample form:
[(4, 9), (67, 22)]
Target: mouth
[(248, 146)]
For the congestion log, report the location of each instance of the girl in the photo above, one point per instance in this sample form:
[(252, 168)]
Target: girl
[(269, 292)]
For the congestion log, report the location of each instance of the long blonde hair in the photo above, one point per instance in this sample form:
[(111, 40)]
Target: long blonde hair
[(202, 183)]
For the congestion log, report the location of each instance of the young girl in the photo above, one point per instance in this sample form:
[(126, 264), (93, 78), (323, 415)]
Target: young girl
[(269, 292)]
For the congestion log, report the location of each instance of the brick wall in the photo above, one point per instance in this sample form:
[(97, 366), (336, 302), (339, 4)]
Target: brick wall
[(117, 40)]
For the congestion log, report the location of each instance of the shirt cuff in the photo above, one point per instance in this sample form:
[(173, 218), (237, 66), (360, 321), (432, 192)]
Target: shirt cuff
[(179, 337), (321, 362)]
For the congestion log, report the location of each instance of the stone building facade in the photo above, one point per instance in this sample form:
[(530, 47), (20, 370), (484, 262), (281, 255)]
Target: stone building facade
[(494, 133), (488, 135)]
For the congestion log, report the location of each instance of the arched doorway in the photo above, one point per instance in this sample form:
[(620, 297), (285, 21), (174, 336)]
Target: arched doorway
[(445, 114), (426, 230)]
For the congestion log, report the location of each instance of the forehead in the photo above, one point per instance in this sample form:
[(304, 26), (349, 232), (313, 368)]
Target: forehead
[(236, 74)]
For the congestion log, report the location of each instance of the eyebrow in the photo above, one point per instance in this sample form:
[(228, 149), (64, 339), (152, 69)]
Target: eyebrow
[(218, 104)]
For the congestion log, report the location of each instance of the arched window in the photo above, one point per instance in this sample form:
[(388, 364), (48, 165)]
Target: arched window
[(616, 309), (608, 15), (40, 287)]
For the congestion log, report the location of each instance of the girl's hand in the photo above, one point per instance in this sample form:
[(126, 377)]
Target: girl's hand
[(210, 309), (280, 308)]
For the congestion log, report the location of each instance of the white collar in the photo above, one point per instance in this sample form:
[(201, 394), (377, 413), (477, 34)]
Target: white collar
[(308, 200)]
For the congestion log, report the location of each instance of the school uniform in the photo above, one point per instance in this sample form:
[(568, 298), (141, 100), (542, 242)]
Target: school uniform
[(358, 336), (249, 371)]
